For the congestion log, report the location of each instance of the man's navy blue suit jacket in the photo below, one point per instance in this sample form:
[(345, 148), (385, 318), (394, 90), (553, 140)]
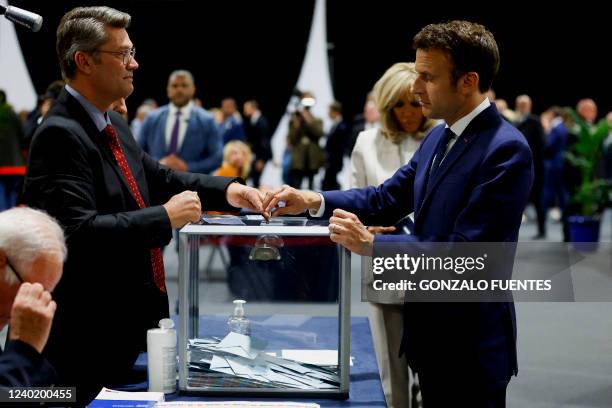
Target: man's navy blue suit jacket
[(477, 195), (201, 149)]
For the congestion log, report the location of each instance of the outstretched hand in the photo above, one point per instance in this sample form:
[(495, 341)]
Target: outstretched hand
[(241, 196), (288, 200)]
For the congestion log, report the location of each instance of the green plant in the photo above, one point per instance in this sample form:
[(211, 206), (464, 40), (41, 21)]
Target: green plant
[(592, 194)]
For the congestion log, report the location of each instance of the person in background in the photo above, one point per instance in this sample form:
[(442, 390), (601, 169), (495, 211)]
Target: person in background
[(305, 130), (258, 137), (231, 127), (146, 107), (237, 159), (35, 117), (531, 127), (120, 107), (335, 145), (12, 154), (181, 135), (368, 119), (378, 154), (32, 252)]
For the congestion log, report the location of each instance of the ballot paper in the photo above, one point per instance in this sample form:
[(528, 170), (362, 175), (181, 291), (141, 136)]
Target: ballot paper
[(242, 360), (221, 220)]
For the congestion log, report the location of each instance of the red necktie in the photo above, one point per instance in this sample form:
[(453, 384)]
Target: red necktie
[(157, 261)]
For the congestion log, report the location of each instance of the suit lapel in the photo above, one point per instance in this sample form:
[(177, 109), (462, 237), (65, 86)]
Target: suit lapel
[(485, 120), (161, 126), (76, 110)]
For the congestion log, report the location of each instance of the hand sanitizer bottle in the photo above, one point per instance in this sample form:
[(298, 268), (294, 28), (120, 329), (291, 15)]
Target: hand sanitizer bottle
[(161, 357), (238, 322)]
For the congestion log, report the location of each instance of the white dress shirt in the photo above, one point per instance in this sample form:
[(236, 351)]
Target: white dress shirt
[(183, 122)]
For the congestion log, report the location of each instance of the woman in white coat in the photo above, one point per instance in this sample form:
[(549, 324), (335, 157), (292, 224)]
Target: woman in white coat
[(377, 155)]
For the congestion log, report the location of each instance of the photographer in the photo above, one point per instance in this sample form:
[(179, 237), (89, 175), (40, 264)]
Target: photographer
[(307, 157)]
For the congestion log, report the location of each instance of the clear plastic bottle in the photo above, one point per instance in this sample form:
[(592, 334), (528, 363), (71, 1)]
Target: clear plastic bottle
[(238, 323)]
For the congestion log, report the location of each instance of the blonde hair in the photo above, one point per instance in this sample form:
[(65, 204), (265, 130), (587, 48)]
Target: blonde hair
[(388, 90), (248, 156)]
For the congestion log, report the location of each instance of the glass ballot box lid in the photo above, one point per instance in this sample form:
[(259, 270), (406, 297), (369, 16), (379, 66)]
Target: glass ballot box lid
[(263, 308)]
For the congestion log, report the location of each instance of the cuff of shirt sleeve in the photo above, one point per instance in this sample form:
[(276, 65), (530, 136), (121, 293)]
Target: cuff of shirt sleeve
[(319, 213)]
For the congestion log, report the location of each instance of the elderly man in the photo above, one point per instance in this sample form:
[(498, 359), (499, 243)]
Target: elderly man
[(118, 206), (181, 135), (32, 251)]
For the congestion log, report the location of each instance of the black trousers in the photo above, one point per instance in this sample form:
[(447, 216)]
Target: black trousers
[(441, 390)]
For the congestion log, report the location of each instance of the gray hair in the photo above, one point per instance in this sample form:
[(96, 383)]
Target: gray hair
[(84, 29), (182, 73), (25, 233)]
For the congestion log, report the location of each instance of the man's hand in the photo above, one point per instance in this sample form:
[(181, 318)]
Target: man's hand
[(174, 162), (241, 196), (295, 201), (31, 315), (183, 208), (346, 229)]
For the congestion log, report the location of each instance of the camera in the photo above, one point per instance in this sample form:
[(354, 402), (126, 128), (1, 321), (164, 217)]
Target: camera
[(300, 101)]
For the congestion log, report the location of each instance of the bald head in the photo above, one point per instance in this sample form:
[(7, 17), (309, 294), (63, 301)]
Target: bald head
[(523, 104), (26, 235), (587, 109)]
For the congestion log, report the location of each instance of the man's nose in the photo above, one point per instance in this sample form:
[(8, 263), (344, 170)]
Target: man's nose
[(133, 64)]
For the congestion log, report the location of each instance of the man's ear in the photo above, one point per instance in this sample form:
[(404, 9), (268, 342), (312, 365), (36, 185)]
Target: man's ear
[(470, 81), (84, 62)]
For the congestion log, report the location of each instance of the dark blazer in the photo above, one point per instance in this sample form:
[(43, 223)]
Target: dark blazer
[(531, 128), (22, 366), (478, 194), (258, 137), (107, 298), (202, 147), (337, 139)]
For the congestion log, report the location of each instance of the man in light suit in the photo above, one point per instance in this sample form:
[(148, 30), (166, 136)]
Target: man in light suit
[(181, 135), (118, 207), (468, 182), (32, 251)]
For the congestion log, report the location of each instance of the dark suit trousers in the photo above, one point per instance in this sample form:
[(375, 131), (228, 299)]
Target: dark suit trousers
[(441, 389)]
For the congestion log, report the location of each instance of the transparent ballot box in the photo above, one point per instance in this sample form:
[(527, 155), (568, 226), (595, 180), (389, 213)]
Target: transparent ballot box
[(264, 308)]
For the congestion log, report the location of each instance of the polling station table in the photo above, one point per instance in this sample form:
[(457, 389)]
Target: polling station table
[(365, 386)]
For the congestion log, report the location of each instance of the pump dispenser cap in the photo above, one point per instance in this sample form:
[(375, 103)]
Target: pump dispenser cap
[(239, 307), (166, 324)]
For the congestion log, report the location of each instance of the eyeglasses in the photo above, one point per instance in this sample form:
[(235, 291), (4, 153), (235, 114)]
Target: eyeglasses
[(126, 55), (14, 270)]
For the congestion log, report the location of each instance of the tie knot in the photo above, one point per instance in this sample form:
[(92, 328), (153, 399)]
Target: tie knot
[(178, 112), (110, 130), (448, 135)]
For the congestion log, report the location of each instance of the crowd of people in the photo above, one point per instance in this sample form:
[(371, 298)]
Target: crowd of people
[(118, 190)]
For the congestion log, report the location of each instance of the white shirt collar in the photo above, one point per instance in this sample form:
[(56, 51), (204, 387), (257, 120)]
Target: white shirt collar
[(459, 126), (255, 117), (185, 110)]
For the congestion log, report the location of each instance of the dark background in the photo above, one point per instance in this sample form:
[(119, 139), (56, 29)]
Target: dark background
[(254, 49)]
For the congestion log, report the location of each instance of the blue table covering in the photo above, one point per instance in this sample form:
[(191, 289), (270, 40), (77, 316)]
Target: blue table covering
[(365, 387)]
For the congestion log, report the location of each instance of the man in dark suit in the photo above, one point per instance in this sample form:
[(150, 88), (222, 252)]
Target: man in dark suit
[(118, 206), (181, 135), (468, 182), (337, 138), (258, 137), (32, 251), (531, 127)]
